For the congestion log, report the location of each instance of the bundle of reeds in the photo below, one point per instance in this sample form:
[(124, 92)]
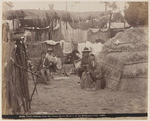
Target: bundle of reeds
[(129, 56), (112, 70)]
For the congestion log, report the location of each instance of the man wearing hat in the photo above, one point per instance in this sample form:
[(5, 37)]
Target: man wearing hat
[(84, 62), (50, 63)]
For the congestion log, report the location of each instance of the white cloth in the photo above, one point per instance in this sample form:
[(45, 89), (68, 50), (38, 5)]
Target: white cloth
[(50, 42), (59, 64), (57, 27), (51, 58), (94, 30), (95, 48), (66, 46)]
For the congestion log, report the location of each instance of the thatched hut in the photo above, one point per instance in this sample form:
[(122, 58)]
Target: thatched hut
[(124, 60)]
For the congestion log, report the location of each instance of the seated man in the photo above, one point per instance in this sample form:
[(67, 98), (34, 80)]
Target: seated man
[(84, 61), (50, 63)]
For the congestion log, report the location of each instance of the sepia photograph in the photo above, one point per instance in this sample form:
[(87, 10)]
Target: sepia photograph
[(74, 59)]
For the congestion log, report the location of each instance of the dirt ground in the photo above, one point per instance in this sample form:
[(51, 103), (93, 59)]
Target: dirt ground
[(64, 96)]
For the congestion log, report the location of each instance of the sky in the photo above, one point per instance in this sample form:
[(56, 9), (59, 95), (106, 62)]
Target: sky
[(61, 5)]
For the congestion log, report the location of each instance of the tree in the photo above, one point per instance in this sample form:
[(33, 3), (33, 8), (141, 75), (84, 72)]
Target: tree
[(112, 5), (137, 13), (117, 17)]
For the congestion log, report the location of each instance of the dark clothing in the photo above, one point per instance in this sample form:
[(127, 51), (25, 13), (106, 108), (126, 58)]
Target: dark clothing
[(68, 59), (74, 56), (85, 61), (92, 67), (50, 65), (84, 65), (80, 71), (71, 57)]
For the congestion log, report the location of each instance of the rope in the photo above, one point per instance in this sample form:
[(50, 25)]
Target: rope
[(135, 63), (121, 51), (134, 77), (111, 66)]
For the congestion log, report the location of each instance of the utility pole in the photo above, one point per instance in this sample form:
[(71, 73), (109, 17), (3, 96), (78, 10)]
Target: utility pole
[(66, 14)]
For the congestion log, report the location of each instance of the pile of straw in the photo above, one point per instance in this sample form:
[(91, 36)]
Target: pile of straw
[(124, 60)]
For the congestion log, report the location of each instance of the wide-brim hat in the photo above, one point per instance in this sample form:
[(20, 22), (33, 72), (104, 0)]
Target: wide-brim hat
[(86, 50), (49, 49)]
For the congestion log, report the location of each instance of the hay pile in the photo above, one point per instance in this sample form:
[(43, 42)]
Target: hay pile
[(124, 60)]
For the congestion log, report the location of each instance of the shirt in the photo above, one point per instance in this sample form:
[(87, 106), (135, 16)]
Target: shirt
[(51, 58)]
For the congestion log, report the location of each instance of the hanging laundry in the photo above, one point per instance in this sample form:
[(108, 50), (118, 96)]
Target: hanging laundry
[(70, 34), (66, 46)]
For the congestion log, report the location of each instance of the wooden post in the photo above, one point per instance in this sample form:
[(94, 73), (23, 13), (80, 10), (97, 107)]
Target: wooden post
[(66, 12), (109, 21)]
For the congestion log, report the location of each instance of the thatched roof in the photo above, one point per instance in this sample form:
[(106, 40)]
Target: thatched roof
[(128, 50), (43, 17)]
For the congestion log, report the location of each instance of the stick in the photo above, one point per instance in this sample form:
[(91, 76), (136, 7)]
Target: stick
[(31, 73), (33, 80)]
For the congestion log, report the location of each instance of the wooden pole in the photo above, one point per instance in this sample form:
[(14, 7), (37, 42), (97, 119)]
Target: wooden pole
[(66, 12)]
